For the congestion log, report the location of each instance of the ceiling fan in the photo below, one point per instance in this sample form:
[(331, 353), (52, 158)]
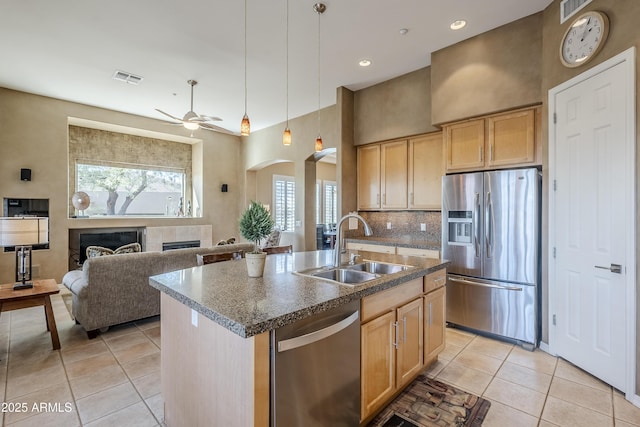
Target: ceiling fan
[(193, 121)]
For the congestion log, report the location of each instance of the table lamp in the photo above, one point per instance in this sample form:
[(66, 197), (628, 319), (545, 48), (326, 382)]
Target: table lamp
[(22, 232)]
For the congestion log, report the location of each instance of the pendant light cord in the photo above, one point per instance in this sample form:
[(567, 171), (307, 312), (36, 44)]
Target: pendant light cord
[(287, 74), (245, 57), (319, 13)]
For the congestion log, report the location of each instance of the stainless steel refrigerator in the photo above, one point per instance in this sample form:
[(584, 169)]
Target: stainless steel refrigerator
[(491, 234)]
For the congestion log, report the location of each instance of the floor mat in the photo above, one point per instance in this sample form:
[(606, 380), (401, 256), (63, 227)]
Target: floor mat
[(430, 403)]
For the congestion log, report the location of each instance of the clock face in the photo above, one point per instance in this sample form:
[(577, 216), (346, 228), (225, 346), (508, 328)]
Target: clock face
[(584, 38)]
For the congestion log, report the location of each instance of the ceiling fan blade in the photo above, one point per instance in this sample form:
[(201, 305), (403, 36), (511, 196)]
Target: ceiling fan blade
[(215, 128), (211, 118), (169, 115)]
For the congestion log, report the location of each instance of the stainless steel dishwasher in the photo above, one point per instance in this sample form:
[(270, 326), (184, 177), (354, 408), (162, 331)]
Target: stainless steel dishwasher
[(315, 370)]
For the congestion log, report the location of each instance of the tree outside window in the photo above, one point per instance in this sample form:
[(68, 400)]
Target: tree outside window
[(119, 190)]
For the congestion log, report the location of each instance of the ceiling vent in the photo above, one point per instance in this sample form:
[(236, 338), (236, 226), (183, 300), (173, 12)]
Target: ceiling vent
[(568, 8), (123, 76)]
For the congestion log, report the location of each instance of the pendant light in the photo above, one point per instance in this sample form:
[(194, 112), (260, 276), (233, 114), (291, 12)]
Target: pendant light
[(286, 136), (245, 125), (319, 8)]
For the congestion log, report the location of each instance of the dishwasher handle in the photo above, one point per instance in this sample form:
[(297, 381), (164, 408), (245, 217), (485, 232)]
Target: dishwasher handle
[(310, 338)]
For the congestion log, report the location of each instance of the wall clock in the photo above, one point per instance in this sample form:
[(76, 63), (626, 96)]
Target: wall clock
[(584, 38)]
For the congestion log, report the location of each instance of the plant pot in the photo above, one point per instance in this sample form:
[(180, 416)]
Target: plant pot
[(255, 263)]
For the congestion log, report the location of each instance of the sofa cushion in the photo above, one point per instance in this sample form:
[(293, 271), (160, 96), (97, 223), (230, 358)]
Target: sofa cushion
[(128, 249), (96, 251)]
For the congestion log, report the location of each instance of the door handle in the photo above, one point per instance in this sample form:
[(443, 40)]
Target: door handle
[(476, 226), (404, 329), (395, 326), (614, 268)]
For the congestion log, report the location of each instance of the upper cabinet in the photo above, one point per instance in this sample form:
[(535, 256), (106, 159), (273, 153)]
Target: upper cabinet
[(393, 177), (368, 165), (425, 172), (495, 141), (401, 174)]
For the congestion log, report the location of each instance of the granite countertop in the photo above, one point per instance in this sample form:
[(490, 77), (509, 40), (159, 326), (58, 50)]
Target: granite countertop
[(249, 306), (410, 242)]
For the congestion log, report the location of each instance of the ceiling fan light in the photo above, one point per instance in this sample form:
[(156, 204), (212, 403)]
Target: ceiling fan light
[(286, 137), (318, 145), (191, 125), (245, 126)]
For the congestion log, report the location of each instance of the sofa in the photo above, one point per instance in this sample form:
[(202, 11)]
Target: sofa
[(115, 289)]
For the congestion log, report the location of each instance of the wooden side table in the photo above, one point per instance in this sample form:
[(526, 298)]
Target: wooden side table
[(33, 297)]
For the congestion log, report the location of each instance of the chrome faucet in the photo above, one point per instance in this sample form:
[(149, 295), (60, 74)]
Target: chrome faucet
[(337, 248)]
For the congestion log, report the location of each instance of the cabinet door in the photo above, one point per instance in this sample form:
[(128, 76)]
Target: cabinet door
[(368, 165), (511, 138), (378, 362), (410, 341), (426, 168), (393, 178), (465, 145), (434, 323)]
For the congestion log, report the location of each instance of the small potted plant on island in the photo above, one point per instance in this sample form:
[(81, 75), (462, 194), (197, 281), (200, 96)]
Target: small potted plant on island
[(255, 224)]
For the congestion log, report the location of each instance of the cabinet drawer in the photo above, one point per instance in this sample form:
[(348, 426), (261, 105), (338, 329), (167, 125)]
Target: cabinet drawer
[(427, 253), (435, 280), (371, 248), (387, 300)]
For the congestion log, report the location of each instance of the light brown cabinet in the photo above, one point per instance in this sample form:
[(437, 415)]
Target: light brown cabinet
[(499, 140), (392, 346), (378, 362), (393, 176), (425, 172), (403, 331), (409, 341), (368, 165), (434, 323), (407, 174)]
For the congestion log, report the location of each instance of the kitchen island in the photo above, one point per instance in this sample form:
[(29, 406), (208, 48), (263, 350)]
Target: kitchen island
[(216, 324)]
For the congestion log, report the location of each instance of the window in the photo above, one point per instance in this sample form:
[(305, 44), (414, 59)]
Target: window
[(330, 202), (116, 189), (284, 202), (318, 201), (326, 202), (130, 175)]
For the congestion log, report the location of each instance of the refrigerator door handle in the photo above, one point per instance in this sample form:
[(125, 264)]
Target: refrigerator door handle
[(488, 230), (485, 285), (476, 227)]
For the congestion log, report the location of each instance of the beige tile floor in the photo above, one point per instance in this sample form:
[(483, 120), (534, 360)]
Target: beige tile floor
[(114, 380), (529, 388)]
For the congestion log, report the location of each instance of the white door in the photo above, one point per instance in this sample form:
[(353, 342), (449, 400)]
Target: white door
[(592, 223)]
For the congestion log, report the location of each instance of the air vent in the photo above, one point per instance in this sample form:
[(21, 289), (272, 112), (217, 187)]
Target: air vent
[(123, 76), (568, 8)]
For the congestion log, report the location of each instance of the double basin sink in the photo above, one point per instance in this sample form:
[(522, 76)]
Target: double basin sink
[(355, 274)]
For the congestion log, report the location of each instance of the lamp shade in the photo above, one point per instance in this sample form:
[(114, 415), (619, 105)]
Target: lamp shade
[(23, 231)]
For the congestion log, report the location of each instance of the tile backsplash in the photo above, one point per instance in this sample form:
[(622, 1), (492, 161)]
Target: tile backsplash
[(404, 224)]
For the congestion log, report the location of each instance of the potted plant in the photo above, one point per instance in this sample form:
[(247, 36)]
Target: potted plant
[(255, 224)]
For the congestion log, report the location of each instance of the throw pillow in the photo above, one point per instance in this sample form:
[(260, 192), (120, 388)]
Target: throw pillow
[(96, 251), (128, 249), (221, 242)]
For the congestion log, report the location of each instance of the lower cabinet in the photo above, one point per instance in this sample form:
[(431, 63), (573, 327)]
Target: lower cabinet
[(434, 323), (403, 330)]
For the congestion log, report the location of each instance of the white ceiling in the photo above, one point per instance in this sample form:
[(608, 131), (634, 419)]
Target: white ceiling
[(69, 49)]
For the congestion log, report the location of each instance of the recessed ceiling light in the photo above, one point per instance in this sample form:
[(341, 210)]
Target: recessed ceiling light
[(403, 31), (364, 62), (457, 24)]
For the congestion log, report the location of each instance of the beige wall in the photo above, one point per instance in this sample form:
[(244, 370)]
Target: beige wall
[(34, 135), (395, 108), (495, 71), (623, 34), (264, 148)]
